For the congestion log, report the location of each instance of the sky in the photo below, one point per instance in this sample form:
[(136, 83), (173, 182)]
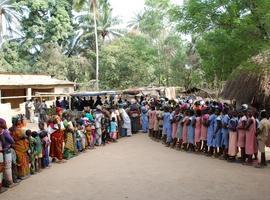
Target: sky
[(127, 9)]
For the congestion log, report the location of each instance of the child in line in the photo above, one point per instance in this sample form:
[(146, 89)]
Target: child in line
[(31, 151), (38, 151), (79, 135), (45, 145), (113, 130), (232, 125)]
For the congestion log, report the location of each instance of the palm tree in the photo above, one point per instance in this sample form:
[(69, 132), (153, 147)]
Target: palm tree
[(107, 24), (135, 23), (9, 21), (94, 9)]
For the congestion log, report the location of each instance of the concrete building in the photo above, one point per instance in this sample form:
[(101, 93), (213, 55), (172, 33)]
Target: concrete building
[(17, 88)]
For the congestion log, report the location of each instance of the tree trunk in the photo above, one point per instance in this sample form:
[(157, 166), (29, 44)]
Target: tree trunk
[(97, 49)]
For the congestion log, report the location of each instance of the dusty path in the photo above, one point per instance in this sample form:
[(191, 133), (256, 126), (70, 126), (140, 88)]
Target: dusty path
[(139, 168)]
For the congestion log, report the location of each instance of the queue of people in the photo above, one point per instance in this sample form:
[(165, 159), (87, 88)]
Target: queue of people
[(193, 125), (63, 135), (216, 129)]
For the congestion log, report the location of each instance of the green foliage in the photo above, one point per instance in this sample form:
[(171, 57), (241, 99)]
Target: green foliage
[(46, 21), (128, 61), (57, 64), (229, 32)]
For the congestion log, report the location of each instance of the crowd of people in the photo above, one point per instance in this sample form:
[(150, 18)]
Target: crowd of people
[(210, 127), (189, 124), (64, 134)]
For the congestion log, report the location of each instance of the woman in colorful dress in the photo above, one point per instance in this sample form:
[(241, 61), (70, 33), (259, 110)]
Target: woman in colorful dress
[(21, 146), (69, 150), (57, 140)]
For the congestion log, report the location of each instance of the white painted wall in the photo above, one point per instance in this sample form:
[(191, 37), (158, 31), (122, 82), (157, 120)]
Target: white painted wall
[(6, 113)]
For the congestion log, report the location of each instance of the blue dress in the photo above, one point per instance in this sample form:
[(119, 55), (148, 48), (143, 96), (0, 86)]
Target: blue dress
[(144, 119), (225, 131), (218, 134), (167, 126), (210, 131), (191, 130)]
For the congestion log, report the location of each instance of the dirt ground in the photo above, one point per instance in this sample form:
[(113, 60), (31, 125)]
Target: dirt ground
[(138, 168)]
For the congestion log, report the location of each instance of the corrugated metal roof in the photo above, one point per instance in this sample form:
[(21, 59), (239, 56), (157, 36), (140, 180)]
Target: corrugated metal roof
[(21, 80)]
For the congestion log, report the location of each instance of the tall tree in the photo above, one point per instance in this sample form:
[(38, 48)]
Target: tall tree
[(93, 7)]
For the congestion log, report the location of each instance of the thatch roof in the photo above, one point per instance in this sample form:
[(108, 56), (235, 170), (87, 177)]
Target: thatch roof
[(31, 80), (250, 83), (204, 93)]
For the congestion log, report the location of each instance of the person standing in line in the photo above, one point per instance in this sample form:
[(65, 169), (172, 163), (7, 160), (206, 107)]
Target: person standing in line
[(250, 142), (126, 123), (57, 139), (113, 129), (21, 147), (167, 125), (144, 119), (242, 135), (204, 127), (225, 132), (262, 134), (191, 131), (198, 125), (98, 117), (184, 124), (8, 141), (218, 134), (232, 125), (175, 116), (2, 165), (152, 118), (211, 132)]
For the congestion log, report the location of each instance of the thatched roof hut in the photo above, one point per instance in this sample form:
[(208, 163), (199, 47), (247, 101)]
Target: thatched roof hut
[(250, 83)]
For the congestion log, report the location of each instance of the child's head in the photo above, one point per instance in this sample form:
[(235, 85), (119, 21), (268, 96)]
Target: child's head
[(34, 134), (113, 119), (41, 125), (28, 133)]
